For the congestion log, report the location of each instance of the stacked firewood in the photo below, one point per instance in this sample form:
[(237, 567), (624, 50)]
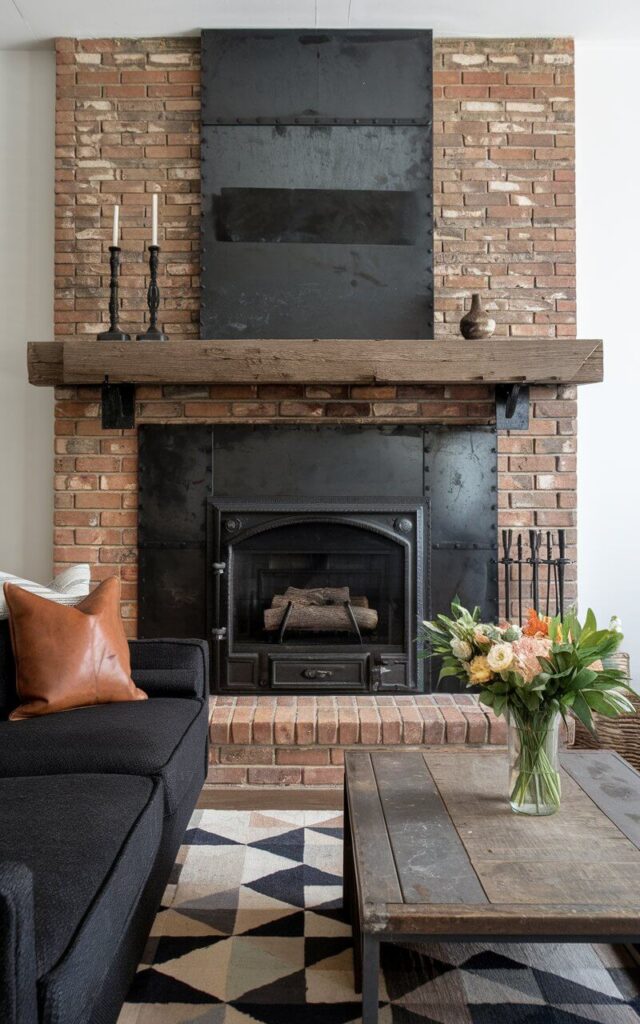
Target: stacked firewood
[(320, 610)]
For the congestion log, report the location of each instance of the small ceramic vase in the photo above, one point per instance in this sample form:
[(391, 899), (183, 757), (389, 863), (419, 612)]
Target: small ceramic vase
[(477, 324)]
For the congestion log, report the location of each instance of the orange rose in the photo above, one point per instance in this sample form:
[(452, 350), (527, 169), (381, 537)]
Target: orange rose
[(536, 626)]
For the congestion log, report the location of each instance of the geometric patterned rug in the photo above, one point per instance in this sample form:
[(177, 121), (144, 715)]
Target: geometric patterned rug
[(251, 930)]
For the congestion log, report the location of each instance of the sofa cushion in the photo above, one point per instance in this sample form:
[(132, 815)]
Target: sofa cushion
[(170, 667), (75, 834), (164, 737), (68, 587)]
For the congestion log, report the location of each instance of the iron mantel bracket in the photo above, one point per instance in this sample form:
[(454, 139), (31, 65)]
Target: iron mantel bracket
[(118, 406), (512, 406)]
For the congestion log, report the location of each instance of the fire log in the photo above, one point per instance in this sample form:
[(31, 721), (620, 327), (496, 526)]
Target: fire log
[(316, 595), (282, 600), (332, 618)]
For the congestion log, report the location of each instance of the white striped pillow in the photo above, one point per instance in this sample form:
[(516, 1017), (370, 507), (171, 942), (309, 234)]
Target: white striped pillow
[(68, 588)]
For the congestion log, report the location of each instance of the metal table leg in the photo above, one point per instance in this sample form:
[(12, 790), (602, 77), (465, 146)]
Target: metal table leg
[(370, 972)]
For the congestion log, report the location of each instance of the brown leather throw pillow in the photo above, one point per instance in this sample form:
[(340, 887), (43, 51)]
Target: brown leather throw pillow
[(69, 657)]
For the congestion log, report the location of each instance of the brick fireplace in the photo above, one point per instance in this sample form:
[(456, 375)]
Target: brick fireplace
[(504, 205), (128, 125)]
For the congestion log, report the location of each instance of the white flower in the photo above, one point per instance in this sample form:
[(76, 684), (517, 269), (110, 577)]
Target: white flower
[(616, 624), (461, 649), (511, 633), (500, 657)]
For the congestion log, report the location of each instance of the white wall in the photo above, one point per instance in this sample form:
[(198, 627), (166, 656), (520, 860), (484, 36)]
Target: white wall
[(27, 95), (608, 158)]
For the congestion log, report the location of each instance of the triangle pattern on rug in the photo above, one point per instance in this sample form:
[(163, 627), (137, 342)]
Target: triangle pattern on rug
[(323, 947), (150, 986), (290, 988), (289, 885), (171, 947), (487, 960), (334, 833), (217, 911), (402, 1015), (199, 837), (314, 1013), (289, 925), (286, 844), (561, 990), (266, 941)]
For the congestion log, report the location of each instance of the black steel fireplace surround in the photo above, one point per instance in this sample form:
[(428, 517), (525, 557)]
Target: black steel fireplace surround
[(371, 527)]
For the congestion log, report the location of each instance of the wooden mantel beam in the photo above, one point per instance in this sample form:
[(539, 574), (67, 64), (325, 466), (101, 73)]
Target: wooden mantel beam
[(317, 361)]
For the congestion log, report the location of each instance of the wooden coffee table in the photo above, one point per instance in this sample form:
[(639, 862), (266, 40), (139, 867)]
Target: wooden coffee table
[(433, 852)]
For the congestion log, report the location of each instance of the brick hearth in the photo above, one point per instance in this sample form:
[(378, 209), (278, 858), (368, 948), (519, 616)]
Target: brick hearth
[(294, 741)]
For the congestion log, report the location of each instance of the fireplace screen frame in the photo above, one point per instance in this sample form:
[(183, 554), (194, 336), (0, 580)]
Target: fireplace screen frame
[(295, 667)]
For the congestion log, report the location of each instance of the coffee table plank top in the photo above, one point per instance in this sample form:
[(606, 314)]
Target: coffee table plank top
[(613, 784), (430, 859), (376, 866), (438, 830)]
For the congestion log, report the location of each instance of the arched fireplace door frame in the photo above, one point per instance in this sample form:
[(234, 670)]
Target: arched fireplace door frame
[(356, 667)]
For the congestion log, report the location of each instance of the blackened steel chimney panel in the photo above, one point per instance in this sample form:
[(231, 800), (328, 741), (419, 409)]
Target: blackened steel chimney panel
[(317, 223), (296, 76)]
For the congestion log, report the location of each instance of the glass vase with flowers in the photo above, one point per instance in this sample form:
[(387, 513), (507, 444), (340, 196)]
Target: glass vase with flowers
[(536, 676)]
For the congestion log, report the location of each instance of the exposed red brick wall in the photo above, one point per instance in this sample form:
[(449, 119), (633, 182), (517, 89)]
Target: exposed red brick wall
[(128, 125)]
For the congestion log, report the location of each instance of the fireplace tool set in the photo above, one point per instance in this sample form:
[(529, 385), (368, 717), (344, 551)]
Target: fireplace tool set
[(547, 558)]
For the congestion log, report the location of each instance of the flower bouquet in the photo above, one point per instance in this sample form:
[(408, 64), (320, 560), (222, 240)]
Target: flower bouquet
[(533, 675)]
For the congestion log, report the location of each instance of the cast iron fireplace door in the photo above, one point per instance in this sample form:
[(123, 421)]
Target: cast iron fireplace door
[(313, 596)]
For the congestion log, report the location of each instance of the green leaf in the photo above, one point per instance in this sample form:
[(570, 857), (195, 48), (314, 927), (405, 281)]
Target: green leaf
[(584, 678), (590, 624), (582, 711), (610, 703)]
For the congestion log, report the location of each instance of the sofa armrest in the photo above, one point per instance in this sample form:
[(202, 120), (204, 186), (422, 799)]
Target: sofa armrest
[(171, 668), (18, 995)]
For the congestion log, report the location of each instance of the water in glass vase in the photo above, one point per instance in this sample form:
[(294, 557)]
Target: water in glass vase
[(534, 776)]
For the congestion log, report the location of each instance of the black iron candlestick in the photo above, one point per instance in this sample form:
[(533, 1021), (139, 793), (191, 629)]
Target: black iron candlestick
[(114, 333), (153, 332)]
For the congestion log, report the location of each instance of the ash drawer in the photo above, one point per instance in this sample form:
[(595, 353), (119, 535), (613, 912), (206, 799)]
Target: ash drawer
[(291, 672)]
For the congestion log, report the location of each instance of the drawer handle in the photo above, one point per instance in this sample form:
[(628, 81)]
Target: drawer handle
[(317, 673)]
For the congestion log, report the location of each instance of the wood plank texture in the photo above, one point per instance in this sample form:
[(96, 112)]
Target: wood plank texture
[(583, 922), (44, 360), (432, 863), (572, 875), (375, 867), (575, 856), (612, 784), (361, 361)]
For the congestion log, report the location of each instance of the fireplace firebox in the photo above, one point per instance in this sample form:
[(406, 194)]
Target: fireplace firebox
[(368, 522), (306, 595)]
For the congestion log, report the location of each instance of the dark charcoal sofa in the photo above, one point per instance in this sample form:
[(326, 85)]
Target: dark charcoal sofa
[(93, 807)]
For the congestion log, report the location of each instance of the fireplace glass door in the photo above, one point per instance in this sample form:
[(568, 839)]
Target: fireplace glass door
[(318, 581)]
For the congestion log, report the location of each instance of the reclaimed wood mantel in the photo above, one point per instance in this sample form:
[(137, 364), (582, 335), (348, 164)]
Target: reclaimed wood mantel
[(316, 361)]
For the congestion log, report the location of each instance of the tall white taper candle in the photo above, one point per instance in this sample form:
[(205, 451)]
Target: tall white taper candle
[(116, 223), (154, 219)]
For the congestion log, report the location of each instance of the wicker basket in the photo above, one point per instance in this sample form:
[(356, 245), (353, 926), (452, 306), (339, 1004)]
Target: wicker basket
[(621, 734)]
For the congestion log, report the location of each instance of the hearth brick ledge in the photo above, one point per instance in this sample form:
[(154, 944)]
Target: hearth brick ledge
[(301, 741)]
